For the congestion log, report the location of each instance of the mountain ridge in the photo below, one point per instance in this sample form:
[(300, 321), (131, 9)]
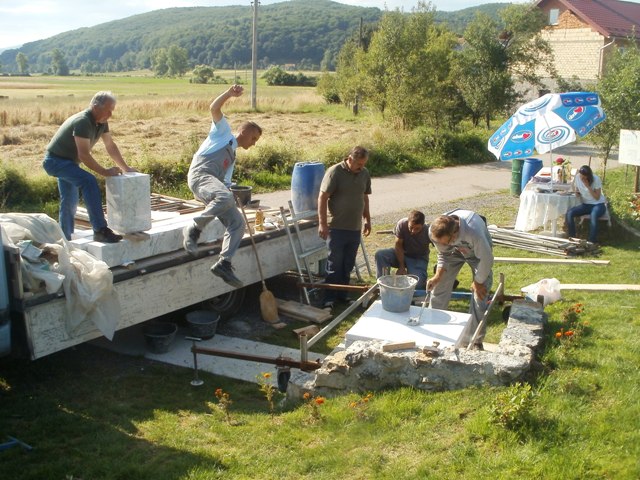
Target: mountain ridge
[(302, 32)]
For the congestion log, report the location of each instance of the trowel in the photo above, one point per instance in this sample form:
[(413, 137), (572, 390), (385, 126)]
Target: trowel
[(416, 320)]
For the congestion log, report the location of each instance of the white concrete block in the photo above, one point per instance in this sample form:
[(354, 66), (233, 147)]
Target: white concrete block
[(442, 326), (163, 238), (129, 202)]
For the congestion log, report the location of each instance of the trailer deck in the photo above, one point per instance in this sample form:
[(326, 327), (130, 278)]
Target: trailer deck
[(150, 287)]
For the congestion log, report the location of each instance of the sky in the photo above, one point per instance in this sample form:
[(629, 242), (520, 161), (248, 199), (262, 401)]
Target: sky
[(28, 21)]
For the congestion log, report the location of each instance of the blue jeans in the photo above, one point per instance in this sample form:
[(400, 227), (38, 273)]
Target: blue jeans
[(219, 202), (71, 181), (386, 257), (343, 247), (595, 210)]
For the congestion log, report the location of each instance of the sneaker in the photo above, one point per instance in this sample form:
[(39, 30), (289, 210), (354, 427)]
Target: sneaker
[(106, 235), (328, 304), (224, 270), (190, 234)]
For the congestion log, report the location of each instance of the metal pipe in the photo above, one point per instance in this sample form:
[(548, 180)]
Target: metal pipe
[(279, 361), (304, 350), (499, 293), (335, 286)]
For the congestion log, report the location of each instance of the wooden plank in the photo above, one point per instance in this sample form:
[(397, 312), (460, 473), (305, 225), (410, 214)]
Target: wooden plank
[(393, 346), (309, 330), (600, 287), (576, 261), (302, 311)]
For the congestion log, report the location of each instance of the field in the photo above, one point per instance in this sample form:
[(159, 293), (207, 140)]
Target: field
[(165, 119)]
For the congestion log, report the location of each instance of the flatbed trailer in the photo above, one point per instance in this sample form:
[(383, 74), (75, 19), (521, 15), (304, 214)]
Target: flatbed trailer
[(149, 288)]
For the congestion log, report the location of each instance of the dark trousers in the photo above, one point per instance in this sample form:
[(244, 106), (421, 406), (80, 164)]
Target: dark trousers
[(343, 248)]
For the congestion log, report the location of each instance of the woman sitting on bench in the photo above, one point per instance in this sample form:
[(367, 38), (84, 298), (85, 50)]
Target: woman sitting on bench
[(588, 187)]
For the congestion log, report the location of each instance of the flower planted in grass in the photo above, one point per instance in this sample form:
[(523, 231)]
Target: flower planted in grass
[(268, 389), (361, 406), (572, 326), (313, 405), (224, 404)]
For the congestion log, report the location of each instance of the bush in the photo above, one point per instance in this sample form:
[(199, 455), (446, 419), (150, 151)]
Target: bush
[(277, 76), (166, 175), (512, 407), (328, 88), (618, 189), (19, 194)]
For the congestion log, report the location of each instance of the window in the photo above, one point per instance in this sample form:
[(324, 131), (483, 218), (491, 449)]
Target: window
[(554, 13)]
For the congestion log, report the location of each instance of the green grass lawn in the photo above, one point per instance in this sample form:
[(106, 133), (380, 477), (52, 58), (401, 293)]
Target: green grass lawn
[(92, 414)]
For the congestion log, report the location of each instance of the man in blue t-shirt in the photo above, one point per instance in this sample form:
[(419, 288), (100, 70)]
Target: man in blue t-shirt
[(209, 179)]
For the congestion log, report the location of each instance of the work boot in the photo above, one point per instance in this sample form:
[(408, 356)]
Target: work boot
[(191, 233), (224, 270), (106, 235)]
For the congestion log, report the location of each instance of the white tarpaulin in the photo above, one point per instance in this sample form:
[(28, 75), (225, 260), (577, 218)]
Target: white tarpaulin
[(87, 282)]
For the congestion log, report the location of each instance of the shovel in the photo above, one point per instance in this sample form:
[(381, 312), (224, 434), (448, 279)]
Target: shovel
[(268, 303), (416, 320)]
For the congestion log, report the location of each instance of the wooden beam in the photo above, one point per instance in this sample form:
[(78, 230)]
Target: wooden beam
[(551, 260), (599, 287), (392, 347)]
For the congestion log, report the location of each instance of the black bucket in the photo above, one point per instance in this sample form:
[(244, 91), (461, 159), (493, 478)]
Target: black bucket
[(242, 193), (159, 335), (203, 323)]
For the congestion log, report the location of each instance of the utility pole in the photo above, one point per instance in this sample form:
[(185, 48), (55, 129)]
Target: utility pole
[(356, 106), (254, 54)]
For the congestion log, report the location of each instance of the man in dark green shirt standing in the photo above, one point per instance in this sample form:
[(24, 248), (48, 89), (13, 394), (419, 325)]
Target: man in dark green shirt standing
[(344, 194), (71, 146)]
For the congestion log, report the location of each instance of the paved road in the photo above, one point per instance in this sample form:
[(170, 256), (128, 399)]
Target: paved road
[(399, 193)]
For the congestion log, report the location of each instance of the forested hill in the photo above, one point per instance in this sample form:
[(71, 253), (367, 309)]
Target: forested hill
[(300, 32)]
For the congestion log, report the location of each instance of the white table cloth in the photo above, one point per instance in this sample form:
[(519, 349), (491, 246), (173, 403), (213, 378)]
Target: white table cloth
[(543, 209)]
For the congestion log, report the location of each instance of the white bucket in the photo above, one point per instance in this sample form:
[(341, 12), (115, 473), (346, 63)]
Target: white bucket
[(396, 291)]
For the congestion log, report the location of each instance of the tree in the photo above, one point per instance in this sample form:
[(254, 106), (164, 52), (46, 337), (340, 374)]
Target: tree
[(58, 63), (177, 60), (407, 69), (528, 54), (495, 58), (159, 61), (482, 70), (23, 63), (202, 74), (619, 91)]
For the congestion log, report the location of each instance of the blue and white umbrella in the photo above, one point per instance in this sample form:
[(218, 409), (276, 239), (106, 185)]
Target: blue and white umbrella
[(547, 123)]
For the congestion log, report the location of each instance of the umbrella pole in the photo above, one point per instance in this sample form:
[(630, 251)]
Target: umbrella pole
[(551, 163)]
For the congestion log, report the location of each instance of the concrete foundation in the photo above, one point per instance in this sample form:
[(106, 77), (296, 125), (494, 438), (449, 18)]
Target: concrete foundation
[(363, 366)]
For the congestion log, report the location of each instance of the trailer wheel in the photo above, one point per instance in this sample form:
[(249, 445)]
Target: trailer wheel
[(227, 304)]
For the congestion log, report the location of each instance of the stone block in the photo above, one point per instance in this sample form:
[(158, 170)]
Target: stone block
[(129, 202)]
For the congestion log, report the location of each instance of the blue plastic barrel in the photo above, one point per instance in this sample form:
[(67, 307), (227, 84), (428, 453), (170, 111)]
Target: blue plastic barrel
[(530, 167), (305, 185)]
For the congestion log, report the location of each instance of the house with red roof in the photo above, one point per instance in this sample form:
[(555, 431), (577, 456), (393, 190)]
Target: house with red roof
[(583, 33)]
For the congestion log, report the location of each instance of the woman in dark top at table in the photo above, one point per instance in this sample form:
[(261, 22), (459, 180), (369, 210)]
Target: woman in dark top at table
[(588, 187)]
